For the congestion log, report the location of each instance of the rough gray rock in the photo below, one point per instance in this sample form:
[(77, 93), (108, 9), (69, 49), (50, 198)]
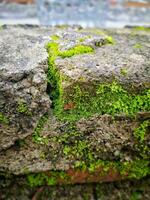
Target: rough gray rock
[(23, 81), (61, 145), (129, 53)]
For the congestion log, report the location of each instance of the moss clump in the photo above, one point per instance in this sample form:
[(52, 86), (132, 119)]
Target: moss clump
[(84, 38), (111, 98), (36, 137), (136, 195), (3, 119), (110, 40), (53, 49), (54, 78), (76, 146), (51, 178), (123, 72), (141, 28), (141, 131), (55, 37), (138, 46), (136, 169), (79, 49), (23, 109), (35, 180)]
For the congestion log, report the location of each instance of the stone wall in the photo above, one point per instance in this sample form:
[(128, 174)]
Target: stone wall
[(74, 105)]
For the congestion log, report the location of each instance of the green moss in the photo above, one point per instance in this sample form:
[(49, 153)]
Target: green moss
[(111, 98), (141, 28), (135, 196), (23, 108), (110, 40), (123, 72), (141, 131), (137, 46), (55, 37), (36, 137), (83, 100), (20, 143), (136, 169), (53, 49), (35, 180), (79, 49), (51, 178), (53, 76), (3, 119), (77, 147), (84, 38)]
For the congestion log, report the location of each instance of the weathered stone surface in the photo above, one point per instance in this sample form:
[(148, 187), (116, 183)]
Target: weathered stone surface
[(23, 82), (97, 128), (126, 190), (91, 154), (107, 61)]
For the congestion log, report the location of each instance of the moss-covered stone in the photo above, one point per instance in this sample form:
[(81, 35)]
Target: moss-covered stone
[(83, 98), (100, 170), (95, 133)]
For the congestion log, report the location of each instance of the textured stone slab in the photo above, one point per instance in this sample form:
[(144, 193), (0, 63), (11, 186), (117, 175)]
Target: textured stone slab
[(23, 81), (98, 126)]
